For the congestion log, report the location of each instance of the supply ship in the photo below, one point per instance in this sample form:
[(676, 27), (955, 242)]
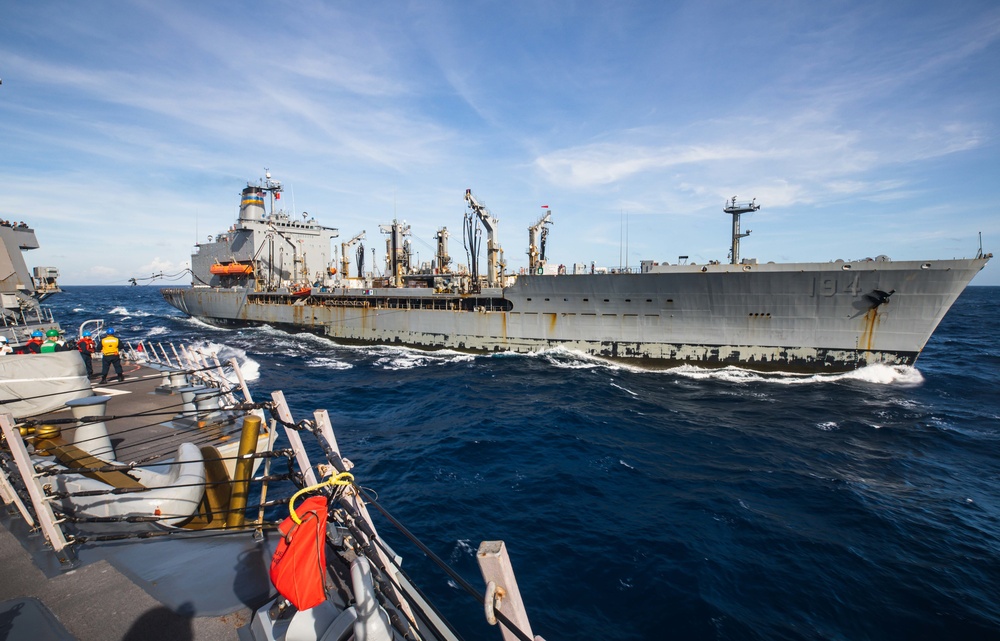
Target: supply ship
[(272, 268)]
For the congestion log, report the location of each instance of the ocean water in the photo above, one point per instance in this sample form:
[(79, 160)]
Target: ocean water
[(679, 504)]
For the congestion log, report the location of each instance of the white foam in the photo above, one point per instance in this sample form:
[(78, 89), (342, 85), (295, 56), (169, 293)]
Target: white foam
[(209, 350), (157, 331), (565, 358), (191, 320), (624, 389), (463, 549), (325, 362), (877, 374), (123, 312), (400, 358)]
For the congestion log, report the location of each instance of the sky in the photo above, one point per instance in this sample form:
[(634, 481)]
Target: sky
[(129, 128)]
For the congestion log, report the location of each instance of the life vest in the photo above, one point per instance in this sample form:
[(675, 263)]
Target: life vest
[(109, 346), (298, 568), (85, 344), (48, 346)]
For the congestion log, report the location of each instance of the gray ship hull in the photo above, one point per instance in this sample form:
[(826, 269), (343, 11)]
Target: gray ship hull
[(801, 317)]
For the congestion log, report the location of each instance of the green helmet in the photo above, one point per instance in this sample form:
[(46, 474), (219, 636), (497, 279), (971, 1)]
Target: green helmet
[(52, 332)]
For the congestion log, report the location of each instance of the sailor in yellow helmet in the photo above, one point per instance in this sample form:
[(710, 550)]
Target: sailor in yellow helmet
[(110, 346)]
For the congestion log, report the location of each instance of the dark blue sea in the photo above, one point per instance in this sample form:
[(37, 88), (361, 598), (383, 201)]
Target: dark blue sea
[(683, 504)]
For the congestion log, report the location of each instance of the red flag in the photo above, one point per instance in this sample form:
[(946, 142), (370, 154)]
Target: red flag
[(277, 195), (545, 206)]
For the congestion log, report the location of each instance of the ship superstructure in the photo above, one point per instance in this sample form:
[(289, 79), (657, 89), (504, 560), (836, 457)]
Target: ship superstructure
[(21, 291), (824, 317), (271, 250)]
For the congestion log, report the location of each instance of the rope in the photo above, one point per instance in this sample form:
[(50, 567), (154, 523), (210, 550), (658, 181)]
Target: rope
[(133, 490), (186, 534), (344, 478), (139, 518)]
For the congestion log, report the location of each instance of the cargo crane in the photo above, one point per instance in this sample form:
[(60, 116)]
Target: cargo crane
[(345, 261), (537, 234), (494, 254)]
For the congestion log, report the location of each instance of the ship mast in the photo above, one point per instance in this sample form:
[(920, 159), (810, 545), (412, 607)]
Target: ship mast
[(441, 255), (735, 209), (396, 250)]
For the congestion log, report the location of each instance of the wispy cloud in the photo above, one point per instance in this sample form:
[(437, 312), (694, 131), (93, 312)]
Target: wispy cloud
[(148, 117)]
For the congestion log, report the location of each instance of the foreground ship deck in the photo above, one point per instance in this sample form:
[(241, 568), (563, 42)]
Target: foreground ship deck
[(133, 588), (125, 568)]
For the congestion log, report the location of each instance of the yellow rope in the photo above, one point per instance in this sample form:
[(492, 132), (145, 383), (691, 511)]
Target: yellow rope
[(344, 478)]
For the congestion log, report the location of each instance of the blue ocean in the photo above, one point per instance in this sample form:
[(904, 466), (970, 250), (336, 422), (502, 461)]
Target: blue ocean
[(685, 504)]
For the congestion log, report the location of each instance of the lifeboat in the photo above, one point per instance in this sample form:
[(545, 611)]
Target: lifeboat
[(305, 291), (231, 269)]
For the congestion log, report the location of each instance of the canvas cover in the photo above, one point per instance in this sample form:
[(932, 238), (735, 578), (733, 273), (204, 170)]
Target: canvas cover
[(32, 384)]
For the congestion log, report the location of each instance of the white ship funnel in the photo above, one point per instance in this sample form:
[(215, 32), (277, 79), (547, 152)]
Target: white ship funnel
[(252, 204)]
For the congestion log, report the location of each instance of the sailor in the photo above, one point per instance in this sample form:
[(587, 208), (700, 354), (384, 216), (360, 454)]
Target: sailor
[(52, 342), (5, 347), (87, 347), (109, 350), (34, 346)]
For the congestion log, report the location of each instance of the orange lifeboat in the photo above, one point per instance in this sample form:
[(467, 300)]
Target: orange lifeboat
[(231, 269), (305, 291)]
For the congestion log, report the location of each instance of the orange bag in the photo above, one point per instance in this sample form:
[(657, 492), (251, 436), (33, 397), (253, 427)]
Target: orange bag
[(298, 568)]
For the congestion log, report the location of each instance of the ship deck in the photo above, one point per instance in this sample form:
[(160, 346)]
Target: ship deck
[(188, 586)]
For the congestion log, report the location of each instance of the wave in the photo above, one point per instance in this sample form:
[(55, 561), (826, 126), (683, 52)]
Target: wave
[(566, 358), (877, 374), (624, 389), (200, 324), (404, 358), (210, 351), (325, 362), (123, 312)]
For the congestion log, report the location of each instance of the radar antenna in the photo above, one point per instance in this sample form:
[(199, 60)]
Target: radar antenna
[(735, 209)]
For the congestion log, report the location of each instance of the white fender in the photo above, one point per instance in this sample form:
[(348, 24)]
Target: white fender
[(373, 622)]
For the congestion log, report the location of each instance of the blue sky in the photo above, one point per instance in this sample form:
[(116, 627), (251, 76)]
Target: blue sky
[(128, 129)]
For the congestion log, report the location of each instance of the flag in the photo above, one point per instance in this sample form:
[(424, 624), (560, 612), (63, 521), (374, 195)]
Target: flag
[(545, 206), (277, 195)]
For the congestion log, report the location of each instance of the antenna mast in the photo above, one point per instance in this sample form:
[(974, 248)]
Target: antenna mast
[(735, 209)]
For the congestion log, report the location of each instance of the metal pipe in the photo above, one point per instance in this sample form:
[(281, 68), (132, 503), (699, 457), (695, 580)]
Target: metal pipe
[(244, 468)]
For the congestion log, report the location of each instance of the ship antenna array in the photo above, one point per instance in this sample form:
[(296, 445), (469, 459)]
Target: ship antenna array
[(734, 209)]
